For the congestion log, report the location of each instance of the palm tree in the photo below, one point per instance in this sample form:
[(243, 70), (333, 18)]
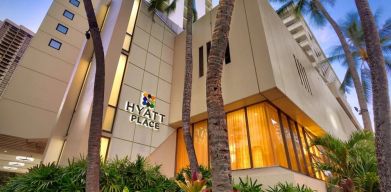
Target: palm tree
[(381, 100), (352, 163), (217, 125), (186, 105), (93, 156), (319, 14), (352, 29), (162, 6)]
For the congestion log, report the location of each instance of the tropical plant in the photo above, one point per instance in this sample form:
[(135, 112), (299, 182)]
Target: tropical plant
[(352, 163), (381, 100), (116, 176), (289, 187), (217, 125), (351, 27), (320, 15), (205, 172), (194, 184), (248, 185), (163, 6), (93, 151)]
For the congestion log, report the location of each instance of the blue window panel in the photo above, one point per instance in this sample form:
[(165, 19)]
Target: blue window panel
[(55, 44), (62, 29), (68, 15), (76, 3)]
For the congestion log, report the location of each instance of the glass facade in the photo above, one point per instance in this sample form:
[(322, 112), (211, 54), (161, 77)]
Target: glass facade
[(259, 136)]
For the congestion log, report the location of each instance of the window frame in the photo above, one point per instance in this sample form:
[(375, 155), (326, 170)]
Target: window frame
[(75, 3), (67, 14), (59, 25), (55, 41)]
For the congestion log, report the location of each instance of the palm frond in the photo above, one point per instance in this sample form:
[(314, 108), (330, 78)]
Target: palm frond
[(171, 7), (387, 60), (347, 82)]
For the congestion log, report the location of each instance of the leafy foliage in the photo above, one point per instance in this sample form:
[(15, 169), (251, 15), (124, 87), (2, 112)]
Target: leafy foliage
[(248, 185), (194, 184), (352, 163), (289, 187), (205, 172), (116, 176)]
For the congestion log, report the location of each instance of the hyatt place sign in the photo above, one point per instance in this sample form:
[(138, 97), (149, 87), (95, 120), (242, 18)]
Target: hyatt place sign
[(144, 113)]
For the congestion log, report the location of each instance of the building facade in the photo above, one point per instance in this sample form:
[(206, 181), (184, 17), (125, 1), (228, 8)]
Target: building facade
[(275, 100), (14, 40)]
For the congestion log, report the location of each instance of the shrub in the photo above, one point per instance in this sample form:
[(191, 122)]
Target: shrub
[(248, 185), (205, 172), (116, 176), (289, 187)]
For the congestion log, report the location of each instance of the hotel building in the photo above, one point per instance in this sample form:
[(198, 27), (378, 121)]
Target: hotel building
[(276, 100)]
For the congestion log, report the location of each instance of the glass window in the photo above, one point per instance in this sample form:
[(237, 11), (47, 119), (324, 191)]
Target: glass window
[(227, 54), (305, 150), (76, 3), (109, 119), (238, 143), (113, 100), (261, 145), (55, 44), (208, 47), (104, 146), (201, 61), (126, 45), (68, 15), (200, 136), (133, 16), (289, 143), (62, 29), (276, 136), (298, 147), (182, 160)]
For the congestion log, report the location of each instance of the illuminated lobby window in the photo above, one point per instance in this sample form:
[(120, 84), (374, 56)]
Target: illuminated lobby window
[(104, 146), (259, 136)]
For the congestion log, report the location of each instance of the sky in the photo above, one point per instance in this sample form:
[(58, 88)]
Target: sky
[(30, 13)]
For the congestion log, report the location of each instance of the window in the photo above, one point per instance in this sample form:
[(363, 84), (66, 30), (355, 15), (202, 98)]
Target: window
[(104, 146), (259, 136), (55, 44), (127, 41), (76, 3), (62, 29), (109, 119), (303, 75), (113, 99), (208, 46), (68, 15), (227, 55), (201, 61), (200, 136), (238, 143)]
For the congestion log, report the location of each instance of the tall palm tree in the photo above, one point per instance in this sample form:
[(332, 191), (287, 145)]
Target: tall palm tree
[(93, 156), (162, 6), (186, 105), (320, 15), (352, 29), (381, 100), (217, 125), (352, 163)]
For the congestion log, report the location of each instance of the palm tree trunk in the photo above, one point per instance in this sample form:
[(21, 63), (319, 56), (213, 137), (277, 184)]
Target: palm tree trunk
[(217, 126), (186, 107), (93, 156), (352, 67), (381, 100)]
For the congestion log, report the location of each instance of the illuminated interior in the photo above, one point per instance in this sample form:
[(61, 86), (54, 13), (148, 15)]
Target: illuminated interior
[(259, 136)]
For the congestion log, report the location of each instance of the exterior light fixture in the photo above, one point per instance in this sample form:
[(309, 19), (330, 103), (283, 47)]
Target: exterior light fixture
[(16, 164), (10, 168), (23, 158)]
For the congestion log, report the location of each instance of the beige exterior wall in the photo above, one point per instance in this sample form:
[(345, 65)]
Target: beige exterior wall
[(149, 68), (262, 64)]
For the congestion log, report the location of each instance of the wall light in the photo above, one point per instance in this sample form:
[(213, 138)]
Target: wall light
[(10, 168), (16, 164), (23, 158)]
